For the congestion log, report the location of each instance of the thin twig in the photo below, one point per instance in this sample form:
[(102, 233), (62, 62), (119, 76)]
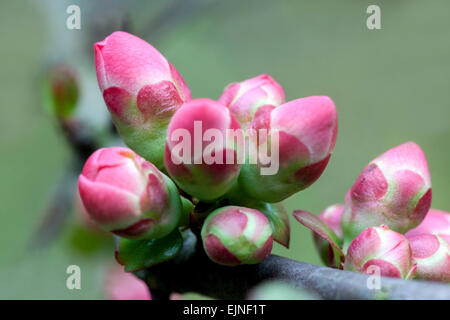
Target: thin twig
[(83, 144)]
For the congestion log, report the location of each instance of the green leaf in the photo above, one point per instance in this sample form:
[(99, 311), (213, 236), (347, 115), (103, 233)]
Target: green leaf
[(319, 227), (140, 254)]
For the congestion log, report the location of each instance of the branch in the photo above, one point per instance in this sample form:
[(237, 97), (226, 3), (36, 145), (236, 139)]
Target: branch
[(202, 276), (83, 144), (56, 210)]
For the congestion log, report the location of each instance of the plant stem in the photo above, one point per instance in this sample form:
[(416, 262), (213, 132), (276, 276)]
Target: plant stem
[(202, 276)]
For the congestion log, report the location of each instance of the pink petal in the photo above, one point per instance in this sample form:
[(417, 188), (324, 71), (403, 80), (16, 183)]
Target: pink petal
[(128, 61)]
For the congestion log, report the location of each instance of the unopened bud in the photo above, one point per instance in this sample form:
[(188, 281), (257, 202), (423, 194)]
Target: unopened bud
[(379, 247), (431, 253), (435, 222), (332, 218), (246, 97), (303, 134), (394, 189), (141, 89), (121, 285), (237, 235), (201, 153), (128, 196)]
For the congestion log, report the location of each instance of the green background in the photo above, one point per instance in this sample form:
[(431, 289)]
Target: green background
[(390, 86)]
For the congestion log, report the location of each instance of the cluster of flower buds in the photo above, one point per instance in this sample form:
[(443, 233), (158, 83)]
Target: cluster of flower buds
[(141, 89), (248, 148), (392, 192), (300, 135), (129, 196), (237, 235)]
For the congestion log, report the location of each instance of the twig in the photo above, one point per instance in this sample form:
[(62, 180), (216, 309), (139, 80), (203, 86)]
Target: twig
[(57, 210), (202, 276), (83, 144)]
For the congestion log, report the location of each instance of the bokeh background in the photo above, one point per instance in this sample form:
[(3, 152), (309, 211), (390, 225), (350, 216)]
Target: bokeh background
[(389, 86)]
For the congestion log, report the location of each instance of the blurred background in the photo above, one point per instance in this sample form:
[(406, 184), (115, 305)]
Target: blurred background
[(390, 86)]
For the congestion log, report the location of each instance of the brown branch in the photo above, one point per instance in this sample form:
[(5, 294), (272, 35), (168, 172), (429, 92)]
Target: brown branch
[(202, 276)]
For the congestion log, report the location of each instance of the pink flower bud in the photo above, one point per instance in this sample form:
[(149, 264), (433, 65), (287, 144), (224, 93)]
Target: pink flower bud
[(246, 97), (237, 235), (121, 285), (435, 222), (83, 218), (141, 89), (200, 154), (61, 90), (431, 253), (127, 195), (394, 189), (381, 251), (332, 218), (307, 130)]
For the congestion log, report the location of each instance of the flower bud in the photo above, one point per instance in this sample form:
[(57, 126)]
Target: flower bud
[(246, 97), (61, 90), (201, 155), (237, 235), (435, 222), (302, 135), (121, 285), (381, 251), (431, 253), (83, 219), (141, 89), (332, 218), (128, 196), (394, 189)]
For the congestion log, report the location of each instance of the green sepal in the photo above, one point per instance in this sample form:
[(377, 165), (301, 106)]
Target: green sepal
[(187, 208), (189, 246), (279, 221)]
